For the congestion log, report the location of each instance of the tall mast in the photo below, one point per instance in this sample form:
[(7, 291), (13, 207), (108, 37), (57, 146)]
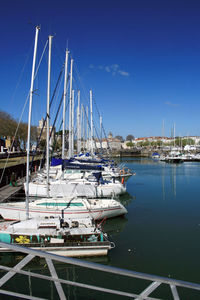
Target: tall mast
[(91, 119), (48, 112), (100, 131), (29, 122), (64, 104), (78, 126), (87, 122), (163, 132), (70, 111), (174, 134), (72, 122), (83, 125)]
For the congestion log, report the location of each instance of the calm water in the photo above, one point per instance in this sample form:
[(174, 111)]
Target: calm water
[(160, 234)]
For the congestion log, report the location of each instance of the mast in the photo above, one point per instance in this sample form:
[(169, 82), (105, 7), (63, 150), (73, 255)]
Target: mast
[(101, 132), (64, 104), (48, 112), (163, 132), (72, 122), (91, 119), (87, 122), (78, 126), (29, 122), (174, 134), (83, 125), (70, 111)]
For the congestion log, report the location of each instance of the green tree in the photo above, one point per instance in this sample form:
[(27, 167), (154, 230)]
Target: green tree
[(145, 143), (129, 144), (8, 128), (129, 137), (42, 144)]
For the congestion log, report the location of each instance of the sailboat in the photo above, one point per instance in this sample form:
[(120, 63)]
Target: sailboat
[(52, 206), (73, 208), (55, 233)]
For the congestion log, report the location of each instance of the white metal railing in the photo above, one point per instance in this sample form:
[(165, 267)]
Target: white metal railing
[(155, 281)]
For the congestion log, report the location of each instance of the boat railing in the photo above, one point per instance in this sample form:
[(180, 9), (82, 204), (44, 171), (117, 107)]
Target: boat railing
[(153, 282)]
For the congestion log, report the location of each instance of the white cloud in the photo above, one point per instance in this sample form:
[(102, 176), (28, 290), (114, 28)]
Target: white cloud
[(171, 104), (123, 73), (114, 69), (107, 69)]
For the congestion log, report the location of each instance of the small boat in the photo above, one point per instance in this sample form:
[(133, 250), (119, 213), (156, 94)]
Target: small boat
[(156, 156), (173, 157), (66, 237)]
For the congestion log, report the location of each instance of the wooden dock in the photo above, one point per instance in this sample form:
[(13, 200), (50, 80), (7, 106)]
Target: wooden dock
[(8, 191)]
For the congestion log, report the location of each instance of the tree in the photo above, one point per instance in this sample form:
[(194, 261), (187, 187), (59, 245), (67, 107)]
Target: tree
[(8, 128), (119, 137), (42, 144), (146, 143), (129, 144), (129, 137)]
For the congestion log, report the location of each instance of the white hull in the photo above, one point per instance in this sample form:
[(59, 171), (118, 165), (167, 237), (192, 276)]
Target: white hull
[(63, 189), (83, 251), (41, 208)]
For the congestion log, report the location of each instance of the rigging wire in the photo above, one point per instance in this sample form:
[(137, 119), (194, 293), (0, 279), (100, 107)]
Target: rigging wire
[(82, 85), (21, 73), (21, 116)]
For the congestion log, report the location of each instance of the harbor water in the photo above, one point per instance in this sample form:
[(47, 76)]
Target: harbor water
[(160, 235)]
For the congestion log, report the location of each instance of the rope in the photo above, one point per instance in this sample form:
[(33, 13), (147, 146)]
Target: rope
[(21, 117)]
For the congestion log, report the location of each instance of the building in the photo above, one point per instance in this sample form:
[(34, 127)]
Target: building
[(44, 132)]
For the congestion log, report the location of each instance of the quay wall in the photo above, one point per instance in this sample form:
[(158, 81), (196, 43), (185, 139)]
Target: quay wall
[(19, 171)]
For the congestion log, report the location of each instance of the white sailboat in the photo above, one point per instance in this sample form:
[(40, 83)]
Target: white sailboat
[(81, 186), (52, 206), (73, 208), (54, 233)]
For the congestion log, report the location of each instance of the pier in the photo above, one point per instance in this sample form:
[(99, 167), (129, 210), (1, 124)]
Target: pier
[(8, 191)]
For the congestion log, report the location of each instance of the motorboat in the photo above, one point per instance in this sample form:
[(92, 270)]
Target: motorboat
[(66, 237)]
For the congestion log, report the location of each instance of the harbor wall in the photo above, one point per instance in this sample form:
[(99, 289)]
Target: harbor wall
[(19, 171)]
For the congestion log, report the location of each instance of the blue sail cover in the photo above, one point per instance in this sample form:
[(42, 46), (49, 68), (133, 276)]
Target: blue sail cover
[(56, 161), (69, 164)]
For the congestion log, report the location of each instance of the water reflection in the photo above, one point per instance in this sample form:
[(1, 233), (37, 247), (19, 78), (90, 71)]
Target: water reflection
[(126, 199), (169, 171), (114, 226)]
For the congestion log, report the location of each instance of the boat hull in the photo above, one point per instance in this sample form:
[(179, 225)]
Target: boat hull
[(81, 251), (16, 212), (74, 190)]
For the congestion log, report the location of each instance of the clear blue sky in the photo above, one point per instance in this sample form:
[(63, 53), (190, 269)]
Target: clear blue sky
[(141, 58)]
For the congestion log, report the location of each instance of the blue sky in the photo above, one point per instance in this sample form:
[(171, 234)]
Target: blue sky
[(141, 58)]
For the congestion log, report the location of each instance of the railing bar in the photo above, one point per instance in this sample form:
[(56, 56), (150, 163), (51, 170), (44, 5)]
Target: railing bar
[(81, 285), (57, 283), (16, 269), (21, 296), (174, 292), (96, 266), (150, 289)]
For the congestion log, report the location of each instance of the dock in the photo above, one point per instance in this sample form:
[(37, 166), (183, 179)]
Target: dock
[(9, 191)]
